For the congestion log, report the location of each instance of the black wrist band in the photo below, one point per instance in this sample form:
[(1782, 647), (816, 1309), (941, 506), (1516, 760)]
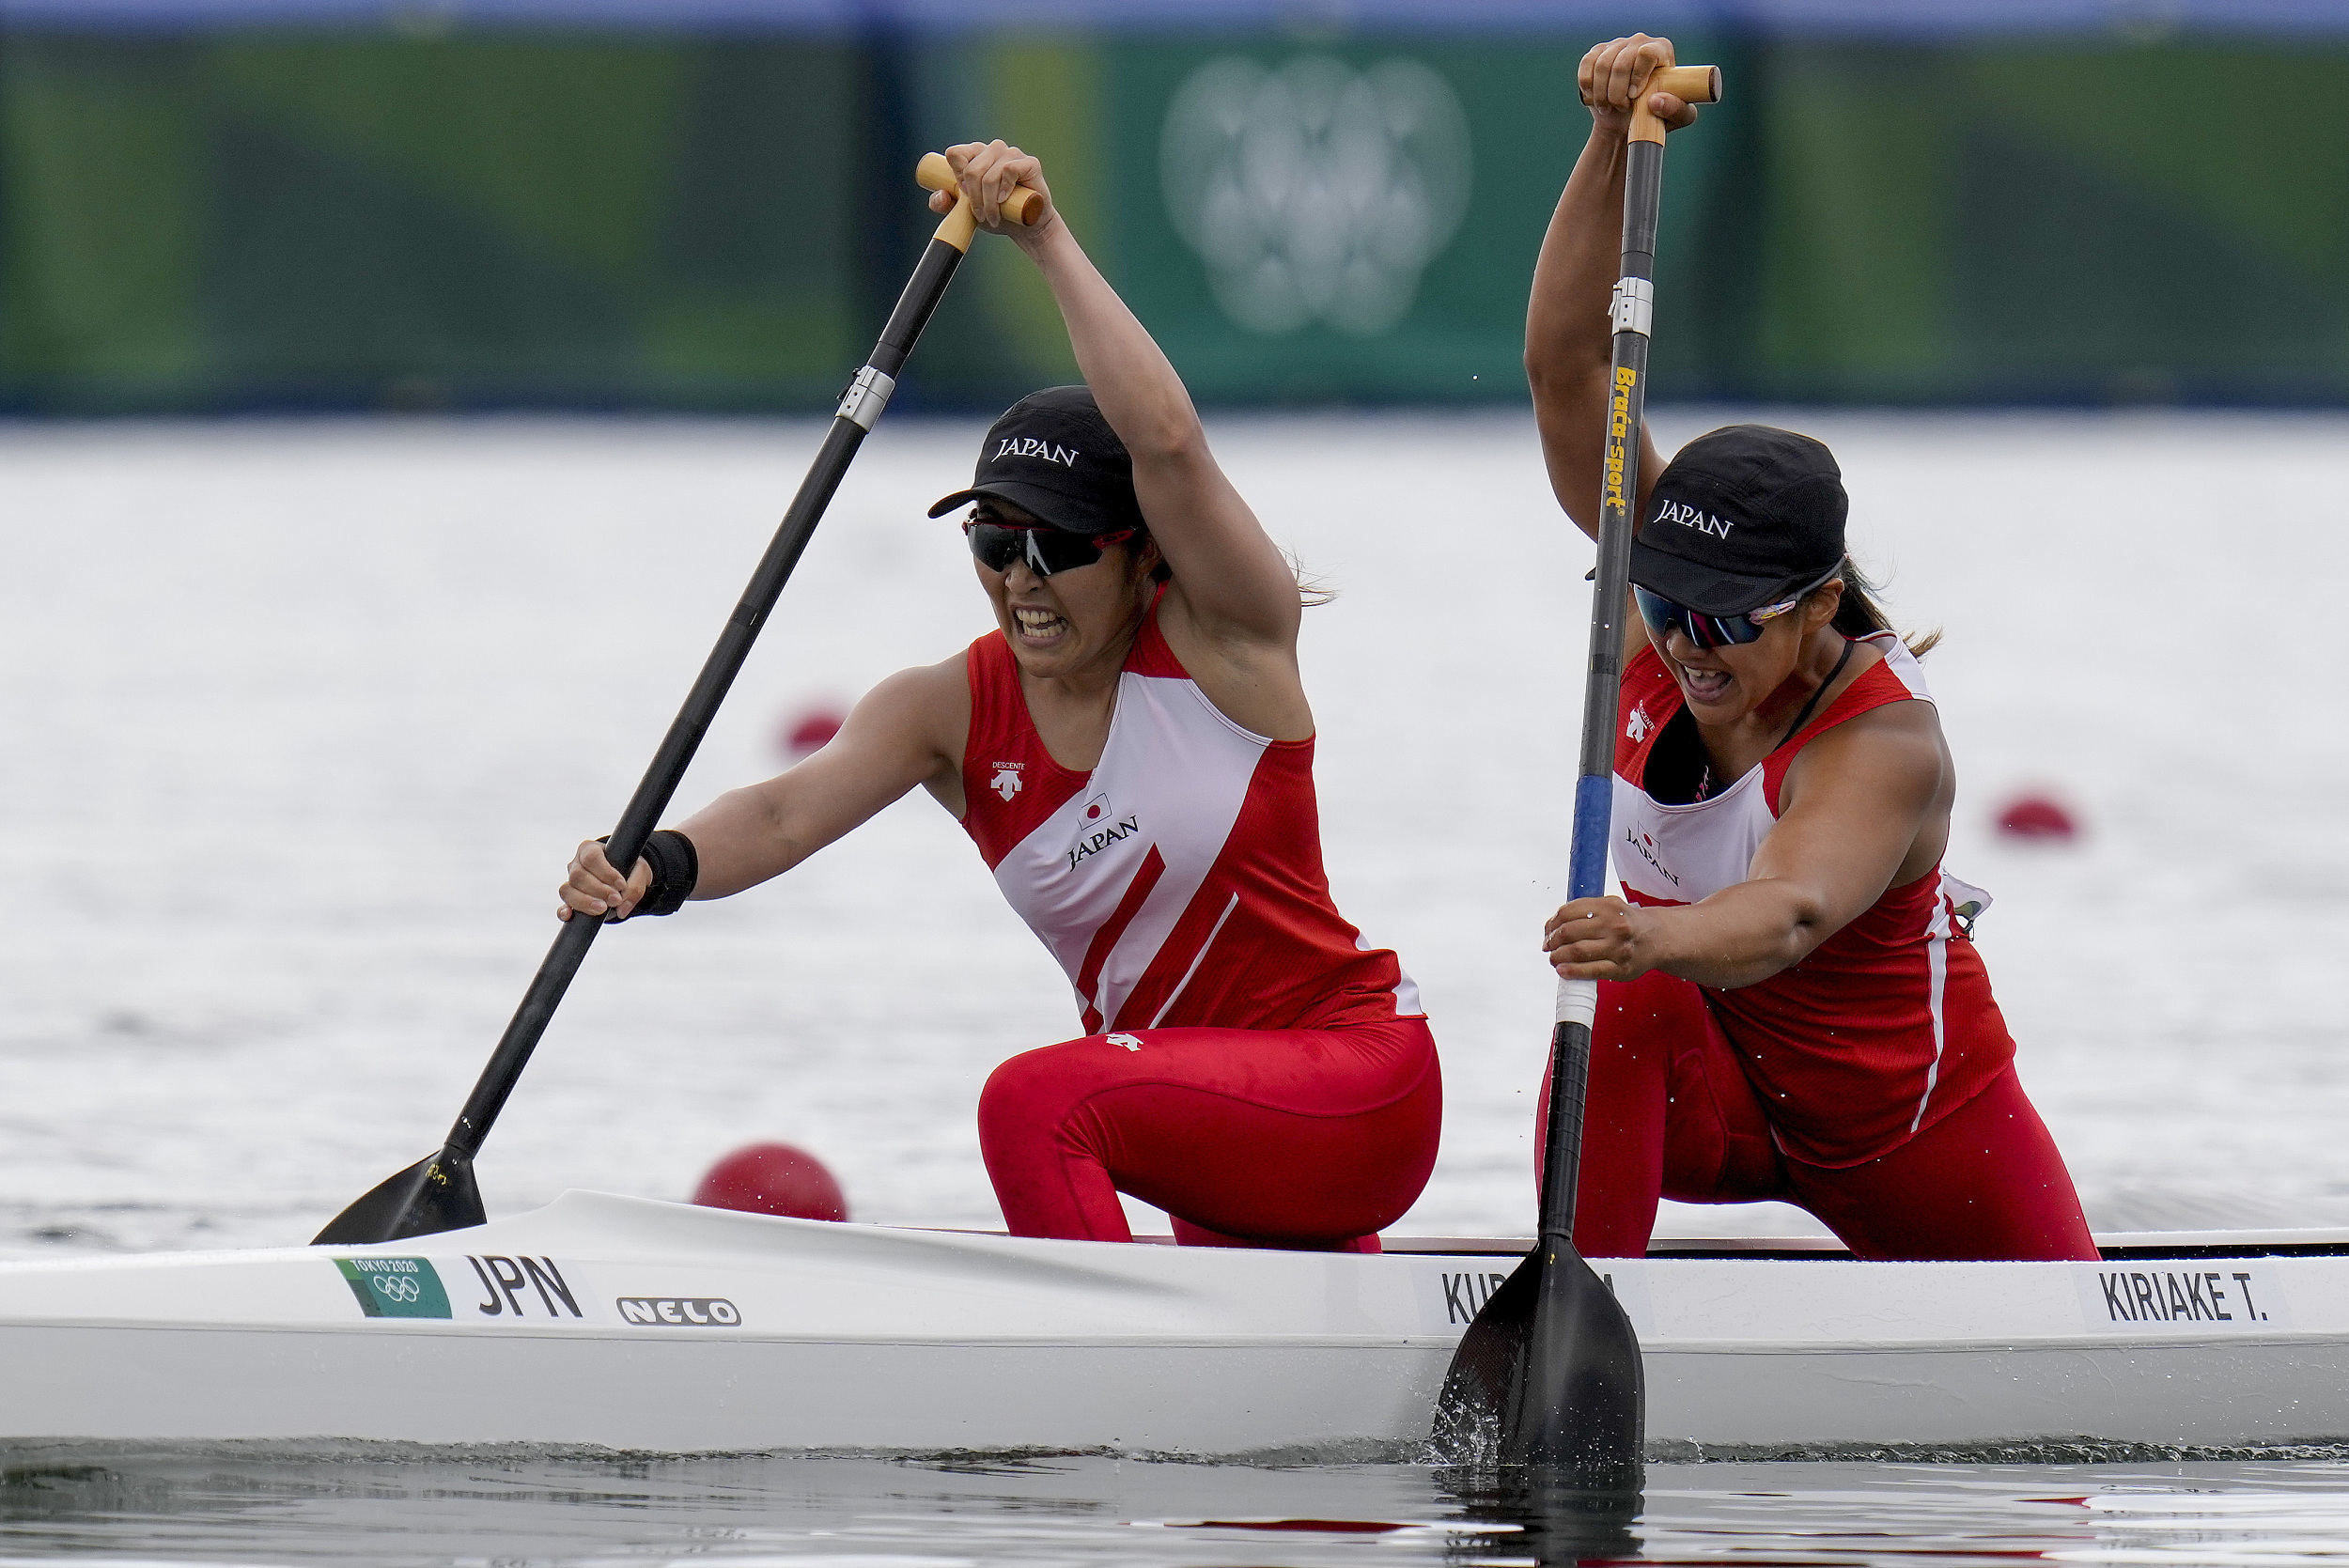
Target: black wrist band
[(674, 870)]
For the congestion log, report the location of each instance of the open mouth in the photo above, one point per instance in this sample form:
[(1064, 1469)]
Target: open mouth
[(1039, 626), (1703, 686)]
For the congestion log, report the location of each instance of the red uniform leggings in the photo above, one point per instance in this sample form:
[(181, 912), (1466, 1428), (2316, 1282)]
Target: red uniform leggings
[(1673, 1115), (1299, 1137)]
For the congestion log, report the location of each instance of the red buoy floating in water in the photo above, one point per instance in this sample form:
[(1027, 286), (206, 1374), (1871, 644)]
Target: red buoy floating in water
[(810, 731), (773, 1178), (2038, 818)]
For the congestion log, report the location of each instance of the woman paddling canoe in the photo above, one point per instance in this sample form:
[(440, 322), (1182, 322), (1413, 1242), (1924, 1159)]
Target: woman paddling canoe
[(1791, 1007), (1133, 752)]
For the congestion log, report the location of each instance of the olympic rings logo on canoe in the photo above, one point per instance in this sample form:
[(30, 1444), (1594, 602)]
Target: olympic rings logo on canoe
[(396, 1287)]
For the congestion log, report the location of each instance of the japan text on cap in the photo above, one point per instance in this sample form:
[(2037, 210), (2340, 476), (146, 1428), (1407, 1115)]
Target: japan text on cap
[(1742, 517), (1052, 456)]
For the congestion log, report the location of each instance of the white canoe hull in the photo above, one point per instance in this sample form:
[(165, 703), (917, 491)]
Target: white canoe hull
[(637, 1324)]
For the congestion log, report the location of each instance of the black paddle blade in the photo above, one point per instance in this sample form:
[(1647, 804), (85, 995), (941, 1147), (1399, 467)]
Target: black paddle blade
[(1582, 1413), (1548, 1375), (433, 1195), (1480, 1390)]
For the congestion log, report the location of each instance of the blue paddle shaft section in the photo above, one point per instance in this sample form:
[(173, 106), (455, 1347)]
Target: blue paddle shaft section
[(1594, 803)]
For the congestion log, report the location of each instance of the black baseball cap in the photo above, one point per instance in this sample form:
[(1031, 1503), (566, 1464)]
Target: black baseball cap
[(1744, 516), (1053, 456)]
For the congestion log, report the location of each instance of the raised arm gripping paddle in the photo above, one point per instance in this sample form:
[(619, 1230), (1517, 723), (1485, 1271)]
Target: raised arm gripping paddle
[(438, 1193), (1549, 1373), (933, 173)]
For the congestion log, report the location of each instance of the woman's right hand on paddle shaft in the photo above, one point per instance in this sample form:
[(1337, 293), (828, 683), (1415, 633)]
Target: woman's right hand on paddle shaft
[(594, 888), (989, 173), (1611, 73)]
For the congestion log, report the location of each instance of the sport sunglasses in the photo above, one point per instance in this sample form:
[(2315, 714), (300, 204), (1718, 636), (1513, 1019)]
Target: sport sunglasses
[(1045, 549), (1713, 631)]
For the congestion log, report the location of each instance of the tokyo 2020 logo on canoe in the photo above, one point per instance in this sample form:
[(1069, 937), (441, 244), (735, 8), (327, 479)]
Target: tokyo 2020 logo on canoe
[(395, 1287), (1316, 192)]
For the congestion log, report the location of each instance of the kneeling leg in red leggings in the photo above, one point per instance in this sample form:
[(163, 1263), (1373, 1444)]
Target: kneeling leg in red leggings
[(1293, 1138), (1985, 1182), (1671, 1115)]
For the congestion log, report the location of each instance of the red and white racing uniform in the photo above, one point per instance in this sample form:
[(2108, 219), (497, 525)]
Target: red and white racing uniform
[(1825, 1084), (1250, 1065), (1888, 1024)]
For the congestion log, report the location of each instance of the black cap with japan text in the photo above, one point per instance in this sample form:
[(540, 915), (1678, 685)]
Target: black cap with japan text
[(1742, 517), (1052, 456)]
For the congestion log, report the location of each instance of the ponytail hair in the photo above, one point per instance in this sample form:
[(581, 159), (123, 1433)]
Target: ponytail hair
[(1311, 589), (1858, 615)]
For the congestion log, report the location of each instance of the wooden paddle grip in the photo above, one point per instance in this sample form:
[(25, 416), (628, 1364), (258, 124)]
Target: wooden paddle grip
[(1688, 84), (933, 173)]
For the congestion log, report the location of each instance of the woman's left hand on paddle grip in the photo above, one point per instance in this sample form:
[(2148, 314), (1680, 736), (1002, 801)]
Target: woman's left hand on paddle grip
[(989, 173), (1597, 938), (594, 888)]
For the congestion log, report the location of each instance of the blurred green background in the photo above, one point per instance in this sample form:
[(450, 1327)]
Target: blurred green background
[(292, 215)]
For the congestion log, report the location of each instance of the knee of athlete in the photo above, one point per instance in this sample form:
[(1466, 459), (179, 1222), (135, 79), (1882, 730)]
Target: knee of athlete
[(1034, 1099)]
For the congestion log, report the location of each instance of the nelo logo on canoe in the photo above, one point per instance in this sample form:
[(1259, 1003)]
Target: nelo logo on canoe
[(679, 1312)]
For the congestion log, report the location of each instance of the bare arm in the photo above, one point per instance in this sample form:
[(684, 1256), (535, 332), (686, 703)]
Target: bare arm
[(909, 730), (1233, 581), (1871, 793), (1569, 342)]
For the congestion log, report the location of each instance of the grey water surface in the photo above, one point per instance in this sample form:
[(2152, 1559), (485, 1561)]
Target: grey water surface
[(100, 1508)]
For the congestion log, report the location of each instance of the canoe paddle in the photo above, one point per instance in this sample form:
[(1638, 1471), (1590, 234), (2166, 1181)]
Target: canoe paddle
[(1548, 1373), (437, 1192)]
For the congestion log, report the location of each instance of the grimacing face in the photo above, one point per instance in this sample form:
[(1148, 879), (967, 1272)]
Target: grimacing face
[(1724, 685), (1059, 624)]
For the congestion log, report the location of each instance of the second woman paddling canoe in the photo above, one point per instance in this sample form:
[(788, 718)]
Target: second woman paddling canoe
[(1132, 753), (1790, 1004)]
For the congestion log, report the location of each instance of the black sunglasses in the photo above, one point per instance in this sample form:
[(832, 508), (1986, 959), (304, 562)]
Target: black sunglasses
[(1714, 632), (1045, 549)]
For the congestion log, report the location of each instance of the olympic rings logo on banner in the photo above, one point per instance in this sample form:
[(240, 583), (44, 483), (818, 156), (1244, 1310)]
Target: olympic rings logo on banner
[(396, 1287), (1316, 192)]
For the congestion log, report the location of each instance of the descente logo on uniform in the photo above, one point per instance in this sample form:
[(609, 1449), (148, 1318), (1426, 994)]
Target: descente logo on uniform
[(1690, 516), (1007, 780), (1029, 446)]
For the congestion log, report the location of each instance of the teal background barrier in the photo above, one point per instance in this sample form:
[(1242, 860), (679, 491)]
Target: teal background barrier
[(263, 216)]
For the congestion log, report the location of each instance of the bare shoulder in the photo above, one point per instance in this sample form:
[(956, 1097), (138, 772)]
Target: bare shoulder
[(1894, 753), (926, 706)]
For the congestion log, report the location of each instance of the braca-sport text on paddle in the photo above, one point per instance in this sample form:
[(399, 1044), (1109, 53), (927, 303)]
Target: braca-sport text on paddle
[(438, 1193), (1548, 1373)]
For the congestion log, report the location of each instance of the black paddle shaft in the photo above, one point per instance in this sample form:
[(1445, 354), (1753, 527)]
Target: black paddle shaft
[(861, 406), (1581, 1406), (438, 1194), (1594, 788), (1550, 1373)]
